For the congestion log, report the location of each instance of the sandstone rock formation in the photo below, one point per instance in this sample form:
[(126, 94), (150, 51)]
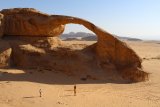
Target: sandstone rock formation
[(1, 25), (29, 22), (32, 36), (5, 53)]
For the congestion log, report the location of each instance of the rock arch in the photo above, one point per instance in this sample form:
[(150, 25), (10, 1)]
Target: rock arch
[(108, 49)]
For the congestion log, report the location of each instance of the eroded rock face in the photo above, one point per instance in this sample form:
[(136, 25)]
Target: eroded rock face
[(108, 52), (5, 53), (29, 22), (1, 25)]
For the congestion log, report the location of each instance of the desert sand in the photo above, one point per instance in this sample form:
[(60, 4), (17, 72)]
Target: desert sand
[(20, 88)]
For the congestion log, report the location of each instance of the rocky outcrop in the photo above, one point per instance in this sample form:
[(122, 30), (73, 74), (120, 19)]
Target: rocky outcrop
[(108, 51), (29, 22), (5, 53), (1, 25)]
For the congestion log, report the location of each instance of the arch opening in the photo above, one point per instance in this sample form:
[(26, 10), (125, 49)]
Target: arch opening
[(78, 36)]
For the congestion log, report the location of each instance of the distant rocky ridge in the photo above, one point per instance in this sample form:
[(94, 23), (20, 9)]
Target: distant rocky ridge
[(90, 37)]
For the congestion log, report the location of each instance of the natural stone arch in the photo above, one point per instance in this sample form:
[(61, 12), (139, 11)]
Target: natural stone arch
[(113, 49), (108, 49)]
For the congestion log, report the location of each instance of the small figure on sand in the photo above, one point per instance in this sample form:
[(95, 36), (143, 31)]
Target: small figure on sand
[(75, 90), (40, 93)]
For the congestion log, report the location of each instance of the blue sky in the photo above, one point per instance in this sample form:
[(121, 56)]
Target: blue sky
[(134, 18)]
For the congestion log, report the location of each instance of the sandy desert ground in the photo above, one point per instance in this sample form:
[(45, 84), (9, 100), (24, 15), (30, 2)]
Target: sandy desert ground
[(20, 88)]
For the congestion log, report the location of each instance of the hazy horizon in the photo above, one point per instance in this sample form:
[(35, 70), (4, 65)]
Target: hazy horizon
[(67, 32), (137, 19)]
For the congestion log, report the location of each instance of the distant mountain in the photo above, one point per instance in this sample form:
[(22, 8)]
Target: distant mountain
[(75, 35), (128, 38), (90, 37)]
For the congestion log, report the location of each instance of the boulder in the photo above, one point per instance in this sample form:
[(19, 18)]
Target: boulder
[(5, 54)]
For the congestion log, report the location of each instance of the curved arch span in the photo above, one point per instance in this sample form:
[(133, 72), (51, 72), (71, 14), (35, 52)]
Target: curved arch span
[(108, 47)]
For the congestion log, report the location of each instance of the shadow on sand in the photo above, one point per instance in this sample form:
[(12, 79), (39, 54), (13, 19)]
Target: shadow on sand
[(31, 97), (49, 77)]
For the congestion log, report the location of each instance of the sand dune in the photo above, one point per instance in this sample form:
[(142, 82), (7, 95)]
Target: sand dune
[(20, 88)]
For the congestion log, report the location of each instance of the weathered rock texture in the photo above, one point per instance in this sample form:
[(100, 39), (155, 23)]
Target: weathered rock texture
[(1, 25), (5, 53), (29, 22), (28, 31)]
